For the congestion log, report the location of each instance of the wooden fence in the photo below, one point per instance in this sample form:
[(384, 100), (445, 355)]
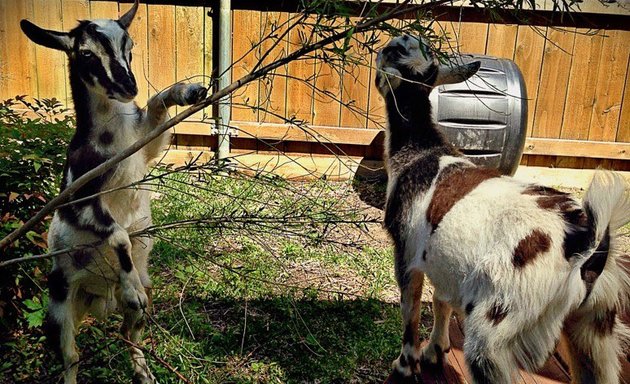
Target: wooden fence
[(578, 79)]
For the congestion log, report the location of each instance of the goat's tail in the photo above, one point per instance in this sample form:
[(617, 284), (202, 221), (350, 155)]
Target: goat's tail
[(607, 270)]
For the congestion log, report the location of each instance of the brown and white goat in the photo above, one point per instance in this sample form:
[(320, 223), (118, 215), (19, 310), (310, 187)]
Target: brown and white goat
[(523, 264), (113, 275)]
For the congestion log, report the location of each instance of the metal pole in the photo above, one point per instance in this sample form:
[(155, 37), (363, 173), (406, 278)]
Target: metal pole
[(225, 62)]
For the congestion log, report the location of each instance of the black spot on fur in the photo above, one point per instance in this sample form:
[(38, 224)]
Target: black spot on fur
[(124, 259), (403, 360), (57, 285), (408, 335), (604, 322), (424, 255), (594, 266), (496, 314), (469, 308), (81, 258), (482, 370), (106, 138), (52, 330)]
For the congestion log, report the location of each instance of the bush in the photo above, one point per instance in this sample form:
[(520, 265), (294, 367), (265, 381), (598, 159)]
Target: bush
[(35, 136)]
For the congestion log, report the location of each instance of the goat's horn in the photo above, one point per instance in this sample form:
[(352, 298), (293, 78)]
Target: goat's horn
[(457, 73), (126, 19)]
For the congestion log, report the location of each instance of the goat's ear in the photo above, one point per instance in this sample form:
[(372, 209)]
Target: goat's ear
[(457, 73), (51, 39), (126, 19)]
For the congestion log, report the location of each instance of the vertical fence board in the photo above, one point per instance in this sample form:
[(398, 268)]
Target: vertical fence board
[(300, 81), (472, 37), (273, 88), (610, 86), (354, 92), (140, 51), (245, 55), (300, 72), (376, 104), (501, 40), (327, 102), (528, 56), (582, 86), (103, 9), (51, 72), (21, 71), (161, 45), (189, 40), (554, 79), (623, 133), (4, 51)]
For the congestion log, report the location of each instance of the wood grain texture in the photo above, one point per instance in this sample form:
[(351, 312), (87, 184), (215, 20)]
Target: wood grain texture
[(501, 40), (355, 87), (273, 87), (300, 72), (472, 37), (161, 47), (103, 10), (245, 55), (610, 86), (189, 39), (623, 133), (51, 69), (528, 55), (554, 79)]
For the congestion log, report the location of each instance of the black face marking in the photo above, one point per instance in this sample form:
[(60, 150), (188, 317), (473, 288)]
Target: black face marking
[(57, 285), (469, 308), (424, 255), (106, 138)]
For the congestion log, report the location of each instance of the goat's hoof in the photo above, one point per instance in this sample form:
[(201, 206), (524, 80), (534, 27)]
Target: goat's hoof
[(195, 93), (433, 356), (396, 377)]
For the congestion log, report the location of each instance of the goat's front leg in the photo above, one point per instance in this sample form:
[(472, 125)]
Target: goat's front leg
[(156, 111), (439, 343), (407, 365)]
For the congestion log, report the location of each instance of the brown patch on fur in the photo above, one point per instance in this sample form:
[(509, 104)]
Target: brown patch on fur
[(453, 186), (605, 322), (531, 246), (496, 314)]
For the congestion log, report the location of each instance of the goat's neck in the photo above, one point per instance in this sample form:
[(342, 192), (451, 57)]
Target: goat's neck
[(411, 127)]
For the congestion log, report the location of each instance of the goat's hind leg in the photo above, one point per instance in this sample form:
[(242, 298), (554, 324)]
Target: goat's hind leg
[(408, 363), (488, 356), (439, 343), (594, 346)]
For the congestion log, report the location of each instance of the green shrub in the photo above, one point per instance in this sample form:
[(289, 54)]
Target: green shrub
[(34, 137)]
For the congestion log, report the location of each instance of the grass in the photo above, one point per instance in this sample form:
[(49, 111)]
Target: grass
[(309, 299)]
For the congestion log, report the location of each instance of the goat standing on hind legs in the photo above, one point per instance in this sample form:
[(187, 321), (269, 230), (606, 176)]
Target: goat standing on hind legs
[(114, 274), (523, 264)]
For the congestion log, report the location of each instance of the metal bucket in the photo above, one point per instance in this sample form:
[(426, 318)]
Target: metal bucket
[(486, 116)]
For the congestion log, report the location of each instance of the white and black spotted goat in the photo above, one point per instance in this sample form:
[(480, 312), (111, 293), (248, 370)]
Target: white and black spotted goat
[(523, 264), (113, 275)]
